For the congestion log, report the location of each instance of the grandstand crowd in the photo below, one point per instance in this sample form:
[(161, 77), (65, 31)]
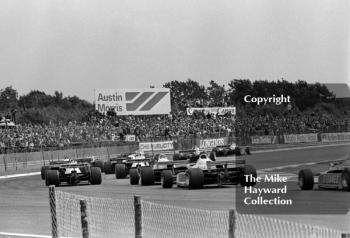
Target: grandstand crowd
[(100, 128)]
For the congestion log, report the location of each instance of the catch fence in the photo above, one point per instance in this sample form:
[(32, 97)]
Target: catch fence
[(81, 216)]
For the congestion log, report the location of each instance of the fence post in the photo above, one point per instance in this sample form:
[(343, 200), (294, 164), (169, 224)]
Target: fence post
[(138, 215), (52, 201), (84, 219), (231, 224)]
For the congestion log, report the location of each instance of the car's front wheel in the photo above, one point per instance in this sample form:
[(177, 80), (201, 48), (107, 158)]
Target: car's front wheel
[(345, 179), (306, 179)]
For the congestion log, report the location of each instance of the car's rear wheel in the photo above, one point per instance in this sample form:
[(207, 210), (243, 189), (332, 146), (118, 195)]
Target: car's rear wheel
[(248, 176), (345, 179), (167, 179), (43, 171), (108, 167), (147, 176), (52, 178), (99, 164), (120, 171), (134, 176), (95, 175), (194, 178), (305, 179), (212, 156)]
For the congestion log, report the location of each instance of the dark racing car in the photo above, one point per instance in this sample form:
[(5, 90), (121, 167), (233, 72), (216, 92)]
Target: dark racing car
[(73, 173), (336, 177), (227, 150)]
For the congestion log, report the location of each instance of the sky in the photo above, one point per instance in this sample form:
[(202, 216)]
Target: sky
[(75, 46)]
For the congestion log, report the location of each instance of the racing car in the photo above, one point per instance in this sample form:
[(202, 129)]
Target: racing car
[(206, 171), (191, 155), (92, 160), (226, 150), (121, 164), (160, 169), (72, 173), (52, 164), (336, 177)]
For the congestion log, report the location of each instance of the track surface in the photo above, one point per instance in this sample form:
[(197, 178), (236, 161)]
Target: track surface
[(24, 201)]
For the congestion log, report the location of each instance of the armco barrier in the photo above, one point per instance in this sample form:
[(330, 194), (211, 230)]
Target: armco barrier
[(104, 217), (300, 138), (334, 137), (260, 140)]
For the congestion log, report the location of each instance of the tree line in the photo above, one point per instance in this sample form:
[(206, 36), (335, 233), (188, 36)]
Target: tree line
[(38, 107)]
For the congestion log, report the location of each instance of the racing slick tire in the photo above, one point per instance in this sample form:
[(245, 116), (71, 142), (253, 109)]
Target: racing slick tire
[(120, 171), (52, 178), (43, 171), (176, 157), (166, 179), (238, 151), (345, 179), (99, 164), (147, 176), (195, 178), (108, 167), (306, 179), (248, 170), (212, 156), (247, 150), (134, 176), (95, 175)]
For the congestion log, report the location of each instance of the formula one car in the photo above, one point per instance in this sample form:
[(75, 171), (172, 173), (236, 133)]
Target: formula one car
[(226, 150), (206, 171), (160, 169), (52, 164), (190, 155), (92, 160), (337, 177), (121, 164), (73, 173)]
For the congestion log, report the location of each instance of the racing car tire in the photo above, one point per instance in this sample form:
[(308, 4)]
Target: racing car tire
[(195, 178), (95, 175), (134, 176), (108, 167), (176, 157), (306, 179), (238, 151), (99, 164), (167, 179), (120, 171), (345, 178), (248, 170), (147, 176), (43, 171), (52, 178), (212, 156), (247, 150)]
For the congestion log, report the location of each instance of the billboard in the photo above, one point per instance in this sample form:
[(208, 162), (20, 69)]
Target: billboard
[(213, 110), (149, 101)]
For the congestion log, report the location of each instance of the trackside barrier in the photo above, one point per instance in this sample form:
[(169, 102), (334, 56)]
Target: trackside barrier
[(81, 216)]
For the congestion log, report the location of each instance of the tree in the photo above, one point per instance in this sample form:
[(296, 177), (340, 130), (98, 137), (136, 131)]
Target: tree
[(8, 99), (216, 92)]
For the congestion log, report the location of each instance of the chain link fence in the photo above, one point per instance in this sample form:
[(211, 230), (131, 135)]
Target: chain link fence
[(120, 218)]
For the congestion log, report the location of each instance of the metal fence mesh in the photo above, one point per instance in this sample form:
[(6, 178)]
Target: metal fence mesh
[(251, 226), (106, 217), (169, 221), (115, 218)]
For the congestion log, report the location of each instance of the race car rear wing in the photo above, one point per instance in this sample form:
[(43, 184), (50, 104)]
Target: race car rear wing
[(226, 162)]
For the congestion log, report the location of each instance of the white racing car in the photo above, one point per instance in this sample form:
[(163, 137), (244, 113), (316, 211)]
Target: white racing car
[(205, 171)]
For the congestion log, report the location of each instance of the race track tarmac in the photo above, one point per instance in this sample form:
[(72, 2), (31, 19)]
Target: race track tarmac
[(24, 201)]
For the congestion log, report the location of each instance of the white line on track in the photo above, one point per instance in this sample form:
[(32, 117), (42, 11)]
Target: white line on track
[(19, 175), (27, 235), (299, 148)]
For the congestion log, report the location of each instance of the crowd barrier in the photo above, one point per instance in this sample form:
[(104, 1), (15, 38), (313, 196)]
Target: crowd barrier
[(80, 216), (24, 161)]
